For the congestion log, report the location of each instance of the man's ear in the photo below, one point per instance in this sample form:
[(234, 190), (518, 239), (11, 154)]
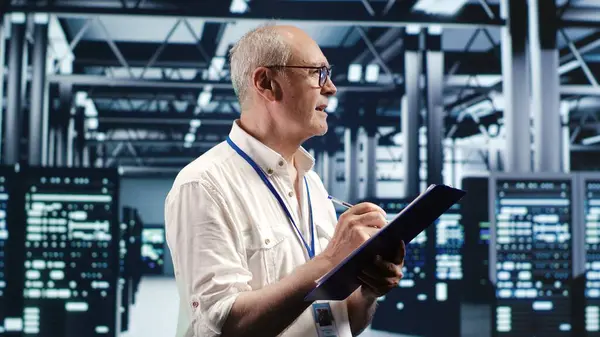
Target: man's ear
[(263, 80)]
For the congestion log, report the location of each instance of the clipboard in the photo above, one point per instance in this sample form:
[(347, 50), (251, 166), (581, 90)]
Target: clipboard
[(342, 281)]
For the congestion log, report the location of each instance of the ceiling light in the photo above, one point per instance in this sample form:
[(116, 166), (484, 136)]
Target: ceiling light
[(90, 108), (439, 7), (92, 123), (204, 99), (100, 136), (590, 140), (354, 72), (372, 73), (413, 29), (190, 138), (81, 98), (238, 6), (435, 30), (493, 130), (332, 104), (17, 17), (216, 68), (195, 123)]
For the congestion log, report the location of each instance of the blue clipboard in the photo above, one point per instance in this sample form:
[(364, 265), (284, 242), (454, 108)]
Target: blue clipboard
[(342, 281)]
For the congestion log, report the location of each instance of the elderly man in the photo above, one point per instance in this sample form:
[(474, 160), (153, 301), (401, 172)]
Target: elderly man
[(249, 224)]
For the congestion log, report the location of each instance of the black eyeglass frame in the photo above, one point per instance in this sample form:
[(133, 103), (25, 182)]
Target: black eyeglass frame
[(324, 71)]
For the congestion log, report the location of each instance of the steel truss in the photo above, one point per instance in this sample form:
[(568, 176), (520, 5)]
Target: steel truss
[(326, 13)]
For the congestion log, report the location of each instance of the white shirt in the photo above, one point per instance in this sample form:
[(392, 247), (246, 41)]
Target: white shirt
[(227, 232)]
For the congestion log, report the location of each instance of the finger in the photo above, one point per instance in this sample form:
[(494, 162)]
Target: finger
[(365, 207), (384, 269), (368, 232), (372, 219), (400, 254), (370, 284), (380, 285)]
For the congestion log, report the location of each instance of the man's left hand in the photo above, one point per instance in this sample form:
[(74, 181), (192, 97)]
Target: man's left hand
[(383, 275)]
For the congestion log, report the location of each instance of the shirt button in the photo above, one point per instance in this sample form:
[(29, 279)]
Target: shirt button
[(291, 194), (195, 304), (270, 171), (267, 241), (281, 163)]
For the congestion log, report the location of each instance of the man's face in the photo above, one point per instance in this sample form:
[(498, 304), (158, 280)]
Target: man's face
[(303, 101)]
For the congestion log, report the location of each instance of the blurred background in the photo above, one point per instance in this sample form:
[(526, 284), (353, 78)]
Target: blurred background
[(103, 101)]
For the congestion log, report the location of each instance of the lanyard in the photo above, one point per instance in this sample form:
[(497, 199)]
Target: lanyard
[(310, 249)]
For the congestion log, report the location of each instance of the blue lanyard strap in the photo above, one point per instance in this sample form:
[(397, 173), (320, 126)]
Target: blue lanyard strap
[(265, 179)]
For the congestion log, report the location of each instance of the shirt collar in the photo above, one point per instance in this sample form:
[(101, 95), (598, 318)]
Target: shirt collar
[(265, 157)]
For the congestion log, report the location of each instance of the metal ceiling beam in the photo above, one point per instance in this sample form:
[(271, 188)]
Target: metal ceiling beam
[(323, 13), (586, 69), (580, 90), (581, 16), (159, 143), (175, 55), (93, 81), (147, 171), (584, 148), (217, 123), (141, 120), (567, 63), (155, 160)]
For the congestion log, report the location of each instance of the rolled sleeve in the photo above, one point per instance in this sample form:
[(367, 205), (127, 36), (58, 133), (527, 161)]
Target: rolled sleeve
[(208, 256)]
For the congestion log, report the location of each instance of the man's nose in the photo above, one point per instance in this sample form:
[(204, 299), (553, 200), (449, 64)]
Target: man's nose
[(329, 88)]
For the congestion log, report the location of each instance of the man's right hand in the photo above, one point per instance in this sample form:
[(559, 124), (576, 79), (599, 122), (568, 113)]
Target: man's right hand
[(354, 227)]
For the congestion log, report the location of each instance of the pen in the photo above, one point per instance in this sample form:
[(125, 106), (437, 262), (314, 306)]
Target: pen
[(339, 202)]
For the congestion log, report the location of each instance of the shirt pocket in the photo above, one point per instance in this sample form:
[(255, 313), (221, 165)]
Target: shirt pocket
[(265, 250), (324, 230)]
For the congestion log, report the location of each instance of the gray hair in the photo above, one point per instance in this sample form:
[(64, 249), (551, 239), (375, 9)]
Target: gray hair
[(262, 46)]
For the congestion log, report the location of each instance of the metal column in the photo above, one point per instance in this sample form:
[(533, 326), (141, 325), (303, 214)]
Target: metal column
[(62, 121), (328, 176), (318, 168), (371, 162), (565, 111), (516, 86), (435, 107), (411, 107), (70, 140), (85, 159), (370, 147), (2, 48), (351, 162), (12, 120), (51, 155), (79, 141), (545, 86), (38, 86), (60, 146), (330, 147)]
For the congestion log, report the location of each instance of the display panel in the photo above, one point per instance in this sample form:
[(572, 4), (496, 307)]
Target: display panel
[(449, 240), (134, 250), (124, 276), (10, 252), (475, 219), (591, 204), (71, 252), (532, 254), (4, 196), (415, 291), (448, 234), (153, 249)]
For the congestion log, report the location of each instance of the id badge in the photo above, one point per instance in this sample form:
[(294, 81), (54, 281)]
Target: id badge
[(324, 319)]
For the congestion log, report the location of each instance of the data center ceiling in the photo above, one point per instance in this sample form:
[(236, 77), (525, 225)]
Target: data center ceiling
[(154, 77)]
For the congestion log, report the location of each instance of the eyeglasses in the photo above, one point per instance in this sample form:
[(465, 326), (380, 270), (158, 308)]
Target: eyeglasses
[(324, 72)]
